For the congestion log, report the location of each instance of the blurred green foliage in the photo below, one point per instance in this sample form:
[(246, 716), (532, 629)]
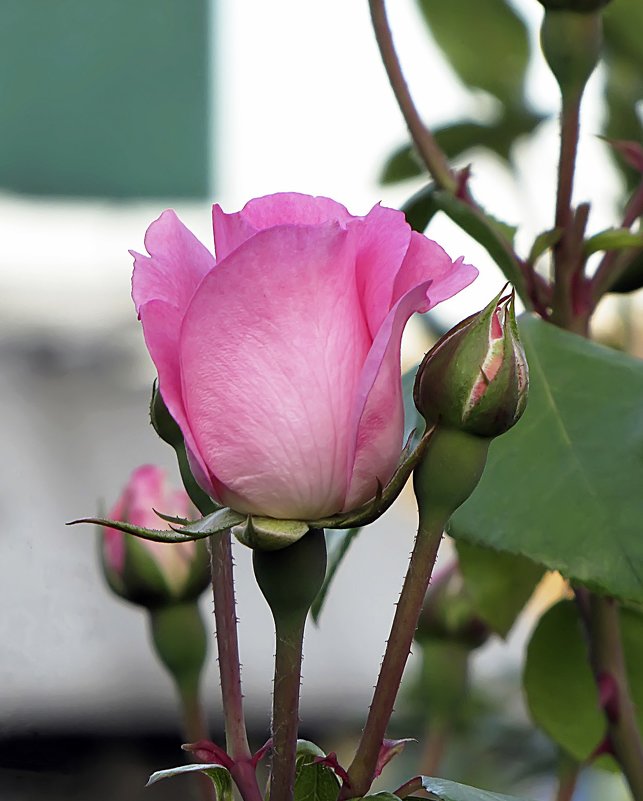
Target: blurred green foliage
[(492, 53)]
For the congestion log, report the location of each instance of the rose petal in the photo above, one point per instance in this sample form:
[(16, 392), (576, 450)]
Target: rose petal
[(285, 208), (378, 419), (274, 341), (384, 240), (175, 266)]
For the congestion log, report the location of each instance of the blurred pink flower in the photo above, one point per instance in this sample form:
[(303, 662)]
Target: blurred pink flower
[(280, 361), (148, 489)]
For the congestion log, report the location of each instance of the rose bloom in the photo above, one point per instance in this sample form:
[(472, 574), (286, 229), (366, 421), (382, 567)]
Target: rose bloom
[(280, 359), (148, 489)]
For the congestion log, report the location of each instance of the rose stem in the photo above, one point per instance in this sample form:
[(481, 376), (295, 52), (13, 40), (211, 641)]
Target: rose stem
[(405, 621), (195, 729), (606, 654), (599, 614), (285, 705), (289, 579), (613, 264), (428, 148), (568, 773), (522, 275), (225, 615), (566, 256)]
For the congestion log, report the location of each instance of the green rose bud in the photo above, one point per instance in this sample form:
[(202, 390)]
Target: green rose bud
[(475, 378), (571, 43)]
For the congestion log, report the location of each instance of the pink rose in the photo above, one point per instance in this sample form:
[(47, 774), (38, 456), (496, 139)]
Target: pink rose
[(148, 489), (280, 360)]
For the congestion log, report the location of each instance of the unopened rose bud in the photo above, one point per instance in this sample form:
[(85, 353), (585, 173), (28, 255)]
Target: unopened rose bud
[(475, 378), (152, 574), (571, 41)]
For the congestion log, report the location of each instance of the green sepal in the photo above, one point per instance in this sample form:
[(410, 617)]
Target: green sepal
[(221, 520), (376, 507), (214, 523), (177, 521), (542, 243), (152, 534), (268, 533), (613, 239), (220, 777), (168, 430), (445, 790), (290, 578)]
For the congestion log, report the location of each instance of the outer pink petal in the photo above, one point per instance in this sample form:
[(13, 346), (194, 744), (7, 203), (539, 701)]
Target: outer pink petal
[(425, 259), (162, 329), (379, 415), (271, 349), (384, 241), (378, 418), (162, 286), (175, 266), (286, 208)]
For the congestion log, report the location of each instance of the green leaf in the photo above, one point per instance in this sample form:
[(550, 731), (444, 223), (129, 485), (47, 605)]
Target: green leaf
[(219, 775), (544, 242), (403, 163), (383, 796), (559, 686), (338, 542), (313, 781), (452, 791), (500, 583), (563, 487), (632, 277), (420, 208), (486, 44), (613, 239), (494, 236), (560, 689)]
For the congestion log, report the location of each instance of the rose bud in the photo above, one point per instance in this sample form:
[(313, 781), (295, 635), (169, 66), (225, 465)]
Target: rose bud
[(475, 378), (152, 574), (280, 359)]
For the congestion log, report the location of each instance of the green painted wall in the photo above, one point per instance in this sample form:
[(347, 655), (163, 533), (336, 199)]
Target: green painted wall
[(105, 98)]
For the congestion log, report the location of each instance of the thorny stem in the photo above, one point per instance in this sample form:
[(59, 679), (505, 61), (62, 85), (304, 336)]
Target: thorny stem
[(613, 265), (568, 773), (428, 148), (229, 666), (360, 773), (523, 276), (285, 716), (195, 729), (606, 654), (567, 259)]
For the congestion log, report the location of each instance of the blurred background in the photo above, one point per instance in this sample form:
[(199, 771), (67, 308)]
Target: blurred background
[(110, 113)]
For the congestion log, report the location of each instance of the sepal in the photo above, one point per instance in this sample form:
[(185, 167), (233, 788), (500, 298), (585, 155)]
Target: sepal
[(219, 775)]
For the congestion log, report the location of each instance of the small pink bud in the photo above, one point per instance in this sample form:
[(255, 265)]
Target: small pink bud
[(145, 572), (475, 378)]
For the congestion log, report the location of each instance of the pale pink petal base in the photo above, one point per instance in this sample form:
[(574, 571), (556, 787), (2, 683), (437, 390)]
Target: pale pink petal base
[(283, 317)]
